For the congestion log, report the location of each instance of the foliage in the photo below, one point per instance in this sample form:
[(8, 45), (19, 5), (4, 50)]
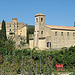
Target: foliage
[(11, 33), (7, 45), (3, 30), (65, 57), (64, 48), (27, 36), (31, 29), (22, 42), (72, 73), (29, 60), (0, 34), (72, 49)]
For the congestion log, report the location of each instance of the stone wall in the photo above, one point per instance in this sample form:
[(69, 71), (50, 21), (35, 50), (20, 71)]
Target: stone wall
[(62, 41)]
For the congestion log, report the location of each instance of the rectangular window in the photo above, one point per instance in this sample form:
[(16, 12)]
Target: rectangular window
[(67, 33), (14, 23), (41, 32), (50, 44), (10, 25), (36, 19), (61, 33), (17, 26), (47, 44), (73, 33), (41, 19), (55, 33), (10, 29)]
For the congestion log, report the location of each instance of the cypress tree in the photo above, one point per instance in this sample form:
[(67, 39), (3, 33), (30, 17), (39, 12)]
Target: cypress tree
[(0, 34), (3, 30), (27, 36)]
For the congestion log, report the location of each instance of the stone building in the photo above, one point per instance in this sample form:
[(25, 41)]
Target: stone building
[(51, 36), (15, 28)]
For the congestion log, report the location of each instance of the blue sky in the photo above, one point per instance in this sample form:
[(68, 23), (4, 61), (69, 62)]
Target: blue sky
[(58, 12)]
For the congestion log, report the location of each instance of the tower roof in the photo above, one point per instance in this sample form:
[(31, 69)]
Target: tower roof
[(14, 18), (39, 14)]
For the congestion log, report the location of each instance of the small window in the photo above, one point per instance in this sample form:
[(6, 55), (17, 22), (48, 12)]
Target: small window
[(36, 19), (20, 30), (14, 23), (55, 33), (50, 44), (73, 33), (20, 33), (41, 19), (17, 26), (47, 44), (67, 33), (61, 33), (41, 32), (10, 25), (10, 29)]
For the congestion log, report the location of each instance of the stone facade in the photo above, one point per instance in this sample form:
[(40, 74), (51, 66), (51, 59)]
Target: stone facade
[(17, 28), (51, 36), (16, 31)]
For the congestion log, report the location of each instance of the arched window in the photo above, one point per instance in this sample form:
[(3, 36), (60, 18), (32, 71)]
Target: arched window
[(41, 19)]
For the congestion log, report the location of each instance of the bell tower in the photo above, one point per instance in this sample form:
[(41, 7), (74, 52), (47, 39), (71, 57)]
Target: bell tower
[(39, 22)]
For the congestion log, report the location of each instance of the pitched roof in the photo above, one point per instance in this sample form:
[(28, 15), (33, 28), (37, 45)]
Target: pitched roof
[(39, 14), (61, 27)]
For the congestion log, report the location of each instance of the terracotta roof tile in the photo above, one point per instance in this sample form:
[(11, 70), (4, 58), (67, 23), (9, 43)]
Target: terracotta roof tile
[(60, 27), (39, 14)]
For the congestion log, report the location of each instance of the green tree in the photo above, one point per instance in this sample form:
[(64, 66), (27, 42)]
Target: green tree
[(4, 30), (27, 36), (1, 35), (31, 29)]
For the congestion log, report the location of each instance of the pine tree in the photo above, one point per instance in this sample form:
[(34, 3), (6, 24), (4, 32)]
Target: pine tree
[(3, 30)]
